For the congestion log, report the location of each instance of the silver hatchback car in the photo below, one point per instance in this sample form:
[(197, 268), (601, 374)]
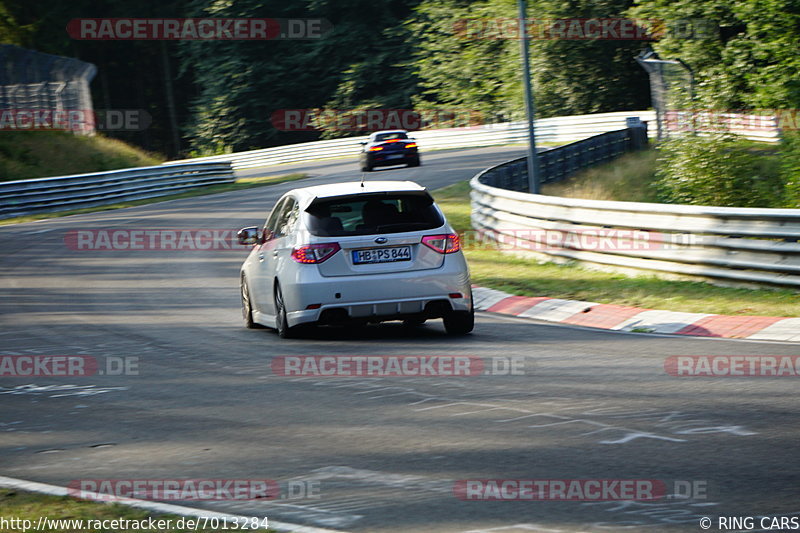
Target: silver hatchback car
[(355, 253)]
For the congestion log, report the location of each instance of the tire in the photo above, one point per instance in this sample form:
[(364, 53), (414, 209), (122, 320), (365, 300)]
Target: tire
[(247, 307), (281, 322), (460, 322), (414, 163)]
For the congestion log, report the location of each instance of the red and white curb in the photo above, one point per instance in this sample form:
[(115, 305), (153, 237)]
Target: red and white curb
[(625, 318), (156, 507)]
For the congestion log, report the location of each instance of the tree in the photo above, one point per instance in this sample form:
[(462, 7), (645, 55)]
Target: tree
[(467, 56), (749, 61), (242, 83), (130, 74)]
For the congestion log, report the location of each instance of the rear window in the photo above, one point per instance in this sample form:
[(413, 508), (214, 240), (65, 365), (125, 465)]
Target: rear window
[(365, 215), (380, 137)]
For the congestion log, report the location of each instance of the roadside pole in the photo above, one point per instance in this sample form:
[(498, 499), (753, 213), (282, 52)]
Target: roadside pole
[(530, 109)]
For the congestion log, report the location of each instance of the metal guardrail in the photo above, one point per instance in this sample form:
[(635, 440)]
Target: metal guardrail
[(61, 193), (87, 190), (548, 130), (724, 245), (558, 163)]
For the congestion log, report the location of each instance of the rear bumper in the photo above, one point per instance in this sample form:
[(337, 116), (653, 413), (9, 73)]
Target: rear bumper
[(377, 296), (383, 160)]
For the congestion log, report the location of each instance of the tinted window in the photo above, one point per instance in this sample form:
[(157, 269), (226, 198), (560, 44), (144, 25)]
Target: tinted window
[(286, 219), (364, 215), (272, 219), (389, 136), (282, 218)]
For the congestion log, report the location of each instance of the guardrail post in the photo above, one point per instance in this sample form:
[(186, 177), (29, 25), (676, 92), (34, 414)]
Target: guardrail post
[(534, 174)]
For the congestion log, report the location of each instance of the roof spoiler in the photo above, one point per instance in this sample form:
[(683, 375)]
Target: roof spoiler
[(368, 195)]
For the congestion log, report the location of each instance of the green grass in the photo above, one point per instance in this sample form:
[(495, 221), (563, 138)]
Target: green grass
[(37, 154), (31, 506), (631, 177), (238, 185), (627, 178), (491, 268)]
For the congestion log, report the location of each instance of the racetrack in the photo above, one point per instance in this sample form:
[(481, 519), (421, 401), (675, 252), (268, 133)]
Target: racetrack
[(384, 454)]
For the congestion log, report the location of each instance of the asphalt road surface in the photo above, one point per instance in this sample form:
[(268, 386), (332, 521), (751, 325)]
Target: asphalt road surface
[(199, 398)]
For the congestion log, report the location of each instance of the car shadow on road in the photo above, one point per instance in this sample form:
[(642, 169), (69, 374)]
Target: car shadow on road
[(382, 332)]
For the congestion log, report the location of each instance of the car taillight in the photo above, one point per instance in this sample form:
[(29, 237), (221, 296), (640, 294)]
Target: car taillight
[(447, 243), (411, 145), (315, 253), (376, 148)]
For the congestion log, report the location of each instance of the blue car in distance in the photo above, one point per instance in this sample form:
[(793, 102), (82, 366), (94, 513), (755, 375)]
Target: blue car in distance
[(389, 147)]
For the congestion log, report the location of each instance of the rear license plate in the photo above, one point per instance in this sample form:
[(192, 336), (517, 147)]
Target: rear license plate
[(382, 255), (394, 156)]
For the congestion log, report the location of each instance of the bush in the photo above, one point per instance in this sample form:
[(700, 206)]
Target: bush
[(790, 167), (719, 170)]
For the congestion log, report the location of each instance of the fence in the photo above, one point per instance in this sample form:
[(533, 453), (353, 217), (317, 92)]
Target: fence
[(25, 197), (725, 245)]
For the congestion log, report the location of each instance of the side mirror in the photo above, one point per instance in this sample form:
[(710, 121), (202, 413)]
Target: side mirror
[(248, 236), (362, 143)]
